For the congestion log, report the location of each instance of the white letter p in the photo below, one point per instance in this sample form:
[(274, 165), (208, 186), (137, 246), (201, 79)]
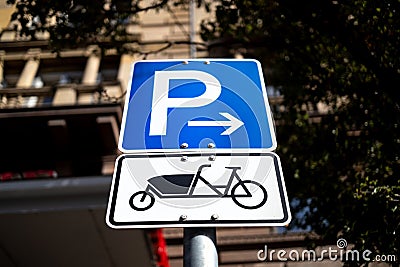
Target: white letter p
[(161, 101)]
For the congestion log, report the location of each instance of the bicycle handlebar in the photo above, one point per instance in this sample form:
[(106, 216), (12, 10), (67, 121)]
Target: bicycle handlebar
[(233, 168), (202, 167)]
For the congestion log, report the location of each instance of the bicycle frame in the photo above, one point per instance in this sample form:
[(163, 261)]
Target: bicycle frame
[(151, 189)]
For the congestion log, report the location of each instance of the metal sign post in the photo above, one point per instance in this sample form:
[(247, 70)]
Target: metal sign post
[(199, 247)]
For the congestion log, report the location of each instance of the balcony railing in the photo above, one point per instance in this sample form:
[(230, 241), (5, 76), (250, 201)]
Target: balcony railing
[(61, 95)]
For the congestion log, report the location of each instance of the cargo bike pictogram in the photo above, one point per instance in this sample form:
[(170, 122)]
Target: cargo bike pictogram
[(184, 185)]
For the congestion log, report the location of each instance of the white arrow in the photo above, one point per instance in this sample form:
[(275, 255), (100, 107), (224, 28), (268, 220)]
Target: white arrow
[(232, 122)]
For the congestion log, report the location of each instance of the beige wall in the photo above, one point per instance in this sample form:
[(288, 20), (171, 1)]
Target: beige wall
[(5, 14), (169, 25), (155, 28)]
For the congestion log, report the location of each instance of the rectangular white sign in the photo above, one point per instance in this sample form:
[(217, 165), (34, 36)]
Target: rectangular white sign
[(197, 190)]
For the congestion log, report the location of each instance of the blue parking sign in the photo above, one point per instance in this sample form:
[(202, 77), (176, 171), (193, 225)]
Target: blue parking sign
[(220, 103)]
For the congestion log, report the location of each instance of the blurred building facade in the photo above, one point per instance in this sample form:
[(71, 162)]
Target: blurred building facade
[(60, 118)]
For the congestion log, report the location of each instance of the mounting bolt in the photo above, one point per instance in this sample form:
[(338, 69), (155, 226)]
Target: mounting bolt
[(211, 145), (214, 217), (184, 158), (183, 217), (185, 62), (207, 62), (212, 158), (184, 145)]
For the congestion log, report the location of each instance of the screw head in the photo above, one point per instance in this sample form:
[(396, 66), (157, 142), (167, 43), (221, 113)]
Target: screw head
[(212, 158), (214, 217), (183, 217), (184, 145), (184, 158), (211, 145)]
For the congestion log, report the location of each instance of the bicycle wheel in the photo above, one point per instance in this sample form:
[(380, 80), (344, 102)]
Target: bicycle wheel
[(141, 200), (257, 198)]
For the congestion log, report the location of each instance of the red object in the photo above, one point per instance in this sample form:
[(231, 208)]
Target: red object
[(29, 175), (36, 174), (39, 174), (6, 176), (159, 247)]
